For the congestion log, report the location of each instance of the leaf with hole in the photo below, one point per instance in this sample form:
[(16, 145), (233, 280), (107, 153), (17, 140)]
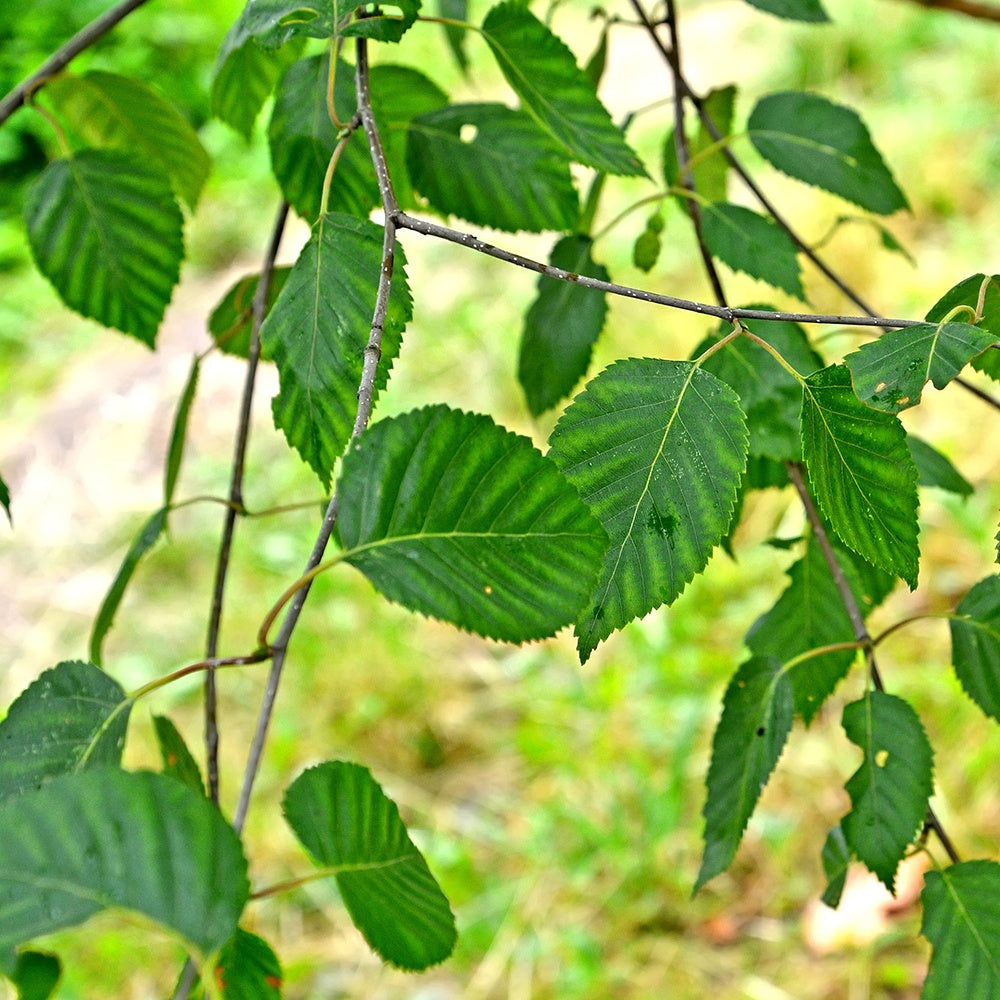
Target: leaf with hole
[(138, 841), (861, 473), (74, 716), (961, 919), (936, 469), (657, 450), (105, 229), (317, 333), (561, 327), (491, 166), (826, 145), (889, 373), (757, 714), (543, 73), (890, 790), (975, 645), (753, 244), (452, 516), (348, 824), (231, 322)]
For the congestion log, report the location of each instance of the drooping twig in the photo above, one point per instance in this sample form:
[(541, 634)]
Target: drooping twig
[(82, 40)]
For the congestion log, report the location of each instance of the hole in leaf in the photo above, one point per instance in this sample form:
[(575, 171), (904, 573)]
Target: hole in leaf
[(468, 132), (760, 730), (881, 757)]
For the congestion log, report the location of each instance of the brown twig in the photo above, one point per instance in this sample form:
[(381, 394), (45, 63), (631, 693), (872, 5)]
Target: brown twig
[(983, 11)]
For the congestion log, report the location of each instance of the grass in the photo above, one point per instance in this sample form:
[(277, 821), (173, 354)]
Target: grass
[(558, 805)]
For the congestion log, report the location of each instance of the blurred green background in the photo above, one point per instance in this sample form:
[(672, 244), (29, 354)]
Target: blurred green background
[(558, 805)]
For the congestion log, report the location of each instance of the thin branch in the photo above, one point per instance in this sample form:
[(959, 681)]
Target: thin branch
[(983, 11), (372, 355), (82, 40), (404, 221)]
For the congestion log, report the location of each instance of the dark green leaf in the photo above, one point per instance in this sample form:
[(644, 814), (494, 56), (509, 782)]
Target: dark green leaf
[(143, 542), (934, 469), (105, 229), (141, 842), (456, 10), (646, 250), (248, 969), (657, 450), (178, 433), (5, 500), (454, 517), (177, 759), (771, 397), (961, 920), (757, 714), (861, 473), (975, 645), (836, 858), (826, 145), (318, 330), (889, 792), (36, 975), (231, 322), (753, 244), (543, 73), (72, 717), (387, 22), (982, 294), (346, 822), (491, 166), (793, 10), (273, 22), (765, 473), (114, 111), (598, 61), (889, 373), (711, 173), (561, 327)]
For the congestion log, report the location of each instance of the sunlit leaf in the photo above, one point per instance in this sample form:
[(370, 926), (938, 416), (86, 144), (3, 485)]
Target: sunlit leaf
[(961, 919), (492, 166), (231, 322), (543, 72), (753, 244), (935, 469), (656, 449), (178, 761), (793, 10), (74, 716), (114, 111), (454, 517), (347, 823), (317, 332), (826, 145), (141, 842), (248, 969), (178, 433), (105, 229), (889, 373), (975, 644), (861, 473), (982, 294), (890, 789), (561, 327), (757, 714), (836, 857)]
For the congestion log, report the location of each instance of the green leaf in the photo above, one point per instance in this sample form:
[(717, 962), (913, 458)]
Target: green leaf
[(657, 450), (178, 433), (935, 469), (889, 792), (646, 250), (710, 175), (248, 969), (105, 229), (318, 330), (5, 500), (757, 714), (861, 473), (491, 166), (826, 145), (73, 717), (975, 645), (769, 395), (346, 822), (302, 140), (271, 23), (836, 858), (969, 292), (231, 322), (961, 920), (561, 327), (110, 838), (144, 541), (388, 22), (456, 10), (810, 11), (178, 761), (113, 111), (543, 73), (36, 975), (889, 373), (457, 518), (753, 244)]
